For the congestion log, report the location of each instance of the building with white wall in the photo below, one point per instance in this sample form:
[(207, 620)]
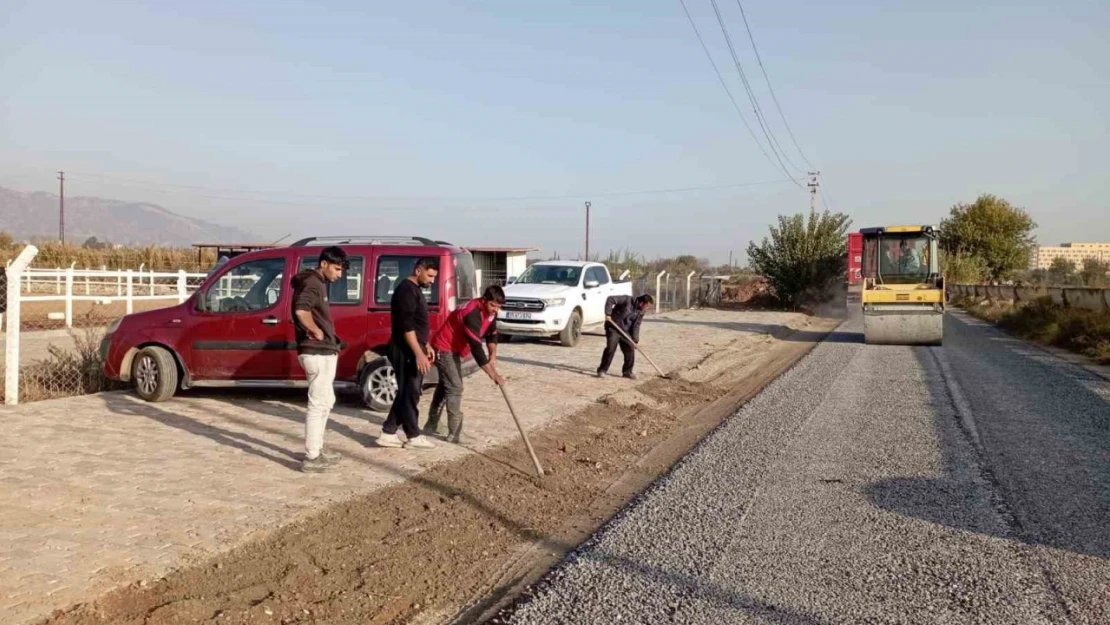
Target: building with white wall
[(495, 265), (1043, 255)]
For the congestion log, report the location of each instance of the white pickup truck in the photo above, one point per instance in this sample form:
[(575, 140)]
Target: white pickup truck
[(558, 298)]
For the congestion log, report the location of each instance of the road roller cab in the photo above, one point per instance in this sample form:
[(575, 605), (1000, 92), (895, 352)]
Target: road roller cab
[(903, 292)]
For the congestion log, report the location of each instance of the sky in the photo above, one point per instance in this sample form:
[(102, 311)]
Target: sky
[(491, 123)]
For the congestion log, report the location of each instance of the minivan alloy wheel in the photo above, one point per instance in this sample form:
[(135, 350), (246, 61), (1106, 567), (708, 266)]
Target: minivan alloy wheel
[(383, 384), (146, 374)]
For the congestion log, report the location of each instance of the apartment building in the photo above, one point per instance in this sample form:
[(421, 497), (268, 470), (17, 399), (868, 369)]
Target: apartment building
[(1043, 255)]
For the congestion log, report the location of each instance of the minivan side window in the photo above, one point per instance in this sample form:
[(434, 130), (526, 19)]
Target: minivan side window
[(251, 286), (393, 269), (347, 290), (465, 287)]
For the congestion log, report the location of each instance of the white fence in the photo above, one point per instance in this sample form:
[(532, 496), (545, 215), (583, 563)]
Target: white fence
[(41, 299), (65, 287)]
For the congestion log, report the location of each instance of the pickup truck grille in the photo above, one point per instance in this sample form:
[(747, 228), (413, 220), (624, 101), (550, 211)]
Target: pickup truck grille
[(525, 305)]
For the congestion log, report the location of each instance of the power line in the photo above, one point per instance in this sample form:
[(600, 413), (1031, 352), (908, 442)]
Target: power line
[(769, 87), (779, 155), (724, 84), (243, 194)]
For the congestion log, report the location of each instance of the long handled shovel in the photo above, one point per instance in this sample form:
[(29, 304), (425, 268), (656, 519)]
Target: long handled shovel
[(644, 354), (527, 443)]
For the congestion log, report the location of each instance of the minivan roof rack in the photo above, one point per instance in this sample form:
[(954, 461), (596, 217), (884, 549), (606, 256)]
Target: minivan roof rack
[(369, 240)]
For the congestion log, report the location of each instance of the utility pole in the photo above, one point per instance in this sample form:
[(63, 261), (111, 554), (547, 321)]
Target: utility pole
[(62, 206), (587, 232), (814, 182), (730, 259)]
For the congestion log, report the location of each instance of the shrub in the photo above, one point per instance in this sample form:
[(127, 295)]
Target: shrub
[(803, 261)]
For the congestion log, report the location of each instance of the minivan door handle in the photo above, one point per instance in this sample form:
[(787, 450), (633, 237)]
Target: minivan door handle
[(271, 321)]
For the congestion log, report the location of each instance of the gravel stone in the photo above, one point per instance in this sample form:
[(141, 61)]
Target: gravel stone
[(968, 483)]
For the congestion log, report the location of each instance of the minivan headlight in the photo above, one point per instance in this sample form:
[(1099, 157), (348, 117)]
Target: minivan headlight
[(555, 301)]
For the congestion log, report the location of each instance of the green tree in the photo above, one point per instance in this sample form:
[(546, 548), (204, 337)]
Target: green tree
[(1096, 273), (6, 241), (1061, 270), (962, 268), (992, 230), (801, 260)]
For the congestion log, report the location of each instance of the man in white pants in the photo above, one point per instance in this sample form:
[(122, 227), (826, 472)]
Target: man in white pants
[(317, 351)]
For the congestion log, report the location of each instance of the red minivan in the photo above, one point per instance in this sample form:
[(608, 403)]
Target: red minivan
[(237, 329)]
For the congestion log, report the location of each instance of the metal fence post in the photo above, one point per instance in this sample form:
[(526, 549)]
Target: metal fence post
[(659, 292), (182, 286), (688, 276), (130, 291), (11, 338), (69, 297)]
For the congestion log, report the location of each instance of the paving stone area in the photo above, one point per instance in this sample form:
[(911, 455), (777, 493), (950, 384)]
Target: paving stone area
[(105, 490)]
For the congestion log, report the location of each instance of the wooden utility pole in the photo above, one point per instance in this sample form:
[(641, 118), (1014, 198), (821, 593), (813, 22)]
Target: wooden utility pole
[(62, 206), (587, 232)]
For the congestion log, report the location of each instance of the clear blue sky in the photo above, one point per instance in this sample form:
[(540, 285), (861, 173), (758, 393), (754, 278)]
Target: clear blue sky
[(423, 117)]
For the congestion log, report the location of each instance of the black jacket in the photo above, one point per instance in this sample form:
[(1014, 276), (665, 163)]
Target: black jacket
[(310, 293), (625, 313)]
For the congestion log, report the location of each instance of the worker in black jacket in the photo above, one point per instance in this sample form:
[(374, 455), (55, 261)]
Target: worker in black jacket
[(624, 312)]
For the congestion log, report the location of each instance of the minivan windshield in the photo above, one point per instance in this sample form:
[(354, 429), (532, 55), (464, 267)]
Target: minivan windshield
[(551, 274)]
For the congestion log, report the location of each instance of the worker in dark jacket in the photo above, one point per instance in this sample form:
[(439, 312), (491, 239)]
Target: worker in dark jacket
[(317, 350), (624, 312)]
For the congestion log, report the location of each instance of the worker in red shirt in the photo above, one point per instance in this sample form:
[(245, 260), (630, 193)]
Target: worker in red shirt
[(461, 335)]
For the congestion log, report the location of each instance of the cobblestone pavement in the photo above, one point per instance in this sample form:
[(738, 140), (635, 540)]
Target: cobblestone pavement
[(106, 490)]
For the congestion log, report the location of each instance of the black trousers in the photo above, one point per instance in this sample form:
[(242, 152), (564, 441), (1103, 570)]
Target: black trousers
[(613, 338), (405, 410)]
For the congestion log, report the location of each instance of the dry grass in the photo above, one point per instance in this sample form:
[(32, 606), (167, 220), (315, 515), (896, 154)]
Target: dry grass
[(153, 257), (1083, 331), (66, 372)]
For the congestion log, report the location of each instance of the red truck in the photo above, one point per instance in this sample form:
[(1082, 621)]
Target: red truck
[(237, 329), (854, 277)]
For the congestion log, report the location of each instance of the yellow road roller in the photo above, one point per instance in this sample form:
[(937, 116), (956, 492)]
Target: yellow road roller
[(903, 292)]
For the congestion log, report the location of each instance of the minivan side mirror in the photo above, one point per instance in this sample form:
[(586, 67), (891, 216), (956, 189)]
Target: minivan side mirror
[(592, 284), (202, 301), (512, 280)]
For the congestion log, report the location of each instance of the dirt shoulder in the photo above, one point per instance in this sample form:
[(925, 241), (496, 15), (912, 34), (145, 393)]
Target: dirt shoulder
[(462, 538)]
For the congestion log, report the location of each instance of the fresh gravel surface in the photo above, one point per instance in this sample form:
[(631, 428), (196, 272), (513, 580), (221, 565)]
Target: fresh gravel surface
[(968, 483)]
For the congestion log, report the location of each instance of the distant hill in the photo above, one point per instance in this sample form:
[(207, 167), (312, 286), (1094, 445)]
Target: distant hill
[(28, 215)]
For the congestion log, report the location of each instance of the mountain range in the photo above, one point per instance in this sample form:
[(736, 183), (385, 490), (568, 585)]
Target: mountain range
[(32, 215)]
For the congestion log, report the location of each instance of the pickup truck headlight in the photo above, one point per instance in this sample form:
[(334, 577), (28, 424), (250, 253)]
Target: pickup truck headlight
[(555, 301)]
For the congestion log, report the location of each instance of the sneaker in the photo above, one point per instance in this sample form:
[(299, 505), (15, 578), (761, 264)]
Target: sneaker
[(600, 373), (456, 439), (332, 457), (419, 442), (319, 464), (389, 440), (630, 376)]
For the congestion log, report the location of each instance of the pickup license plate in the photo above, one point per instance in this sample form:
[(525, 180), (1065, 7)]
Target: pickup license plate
[(518, 315)]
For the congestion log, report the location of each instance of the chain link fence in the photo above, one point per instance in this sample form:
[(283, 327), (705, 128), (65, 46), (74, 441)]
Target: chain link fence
[(678, 292)]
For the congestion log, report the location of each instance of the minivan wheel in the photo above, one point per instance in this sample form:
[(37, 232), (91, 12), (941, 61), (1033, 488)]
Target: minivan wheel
[(570, 334), (154, 374), (379, 385)]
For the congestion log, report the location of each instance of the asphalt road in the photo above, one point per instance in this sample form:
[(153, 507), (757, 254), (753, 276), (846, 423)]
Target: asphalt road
[(968, 483)]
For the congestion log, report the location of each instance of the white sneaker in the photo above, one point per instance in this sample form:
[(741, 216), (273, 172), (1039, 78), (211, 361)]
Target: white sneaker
[(389, 440), (419, 442)]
